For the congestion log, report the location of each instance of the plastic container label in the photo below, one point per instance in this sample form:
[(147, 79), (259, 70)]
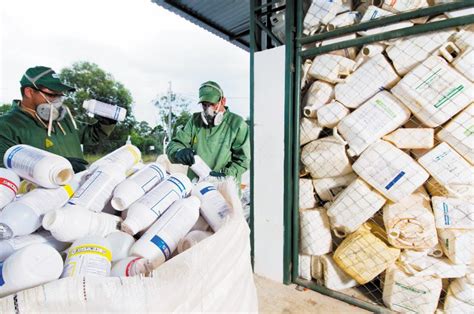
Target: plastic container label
[(9, 184), (156, 240), (207, 189), (158, 214), (152, 180), (179, 184), (2, 281), (395, 180), (24, 160)]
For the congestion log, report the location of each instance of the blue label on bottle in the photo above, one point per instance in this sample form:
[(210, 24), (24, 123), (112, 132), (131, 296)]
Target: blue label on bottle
[(207, 189), (395, 180), (157, 169), (179, 184), (156, 240), (447, 221), (2, 281), (117, 112), (10, 156)]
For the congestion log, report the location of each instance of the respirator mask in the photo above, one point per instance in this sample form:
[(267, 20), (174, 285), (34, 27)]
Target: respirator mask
[(209, 114)]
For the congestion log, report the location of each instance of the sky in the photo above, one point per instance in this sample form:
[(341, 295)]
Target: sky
[(141, 44)]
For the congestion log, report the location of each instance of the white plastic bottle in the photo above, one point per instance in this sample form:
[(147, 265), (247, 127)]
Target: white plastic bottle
[(318, 94), (8, 247), (24, 216), (304, 266), (378, 116), (9, 183), (334, 277), (74, 222), (463, 289), (127, 155), (137, 185), (89, 256), (214, 208), (97, 191), (321, 12), (162, 238), (453, 213), (120, 244), (131, 266), (306, 197), (418, 263), (328, 188), (330, 114), (331, 68), (309, 130), (144, 212), (390, 171), (456, 245), (191, 239), (374, 12), (315, 231), (31, 266), (460, 59), (353, 206), (38, 166), (406, 138), (367, 52), (200, 168), (201, 224), (103, 109)]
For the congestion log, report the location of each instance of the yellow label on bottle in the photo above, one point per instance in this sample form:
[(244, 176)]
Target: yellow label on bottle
[(136, 156), (90, 249), (69, 190)]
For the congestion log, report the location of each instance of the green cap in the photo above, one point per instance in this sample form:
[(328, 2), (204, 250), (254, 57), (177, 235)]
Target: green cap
[(46, 77), (210, 92)]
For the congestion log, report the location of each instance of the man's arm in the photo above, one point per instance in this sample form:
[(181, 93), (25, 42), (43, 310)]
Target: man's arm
[(94, 133), (240, 161), (181, 140), (7, 140)]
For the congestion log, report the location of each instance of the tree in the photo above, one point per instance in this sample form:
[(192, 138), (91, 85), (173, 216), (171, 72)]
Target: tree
[(4, 108)]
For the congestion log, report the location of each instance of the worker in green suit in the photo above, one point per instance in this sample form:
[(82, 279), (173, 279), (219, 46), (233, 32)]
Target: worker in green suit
[(41, 120), (221, 138)]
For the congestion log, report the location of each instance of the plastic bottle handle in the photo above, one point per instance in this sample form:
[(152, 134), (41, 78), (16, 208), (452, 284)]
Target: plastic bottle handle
[(337, 136), (446, 54)]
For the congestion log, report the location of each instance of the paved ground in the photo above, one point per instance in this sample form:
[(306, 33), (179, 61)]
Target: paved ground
[(274, 297)]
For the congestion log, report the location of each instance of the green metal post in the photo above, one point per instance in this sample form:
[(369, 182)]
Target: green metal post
[(252, 123)]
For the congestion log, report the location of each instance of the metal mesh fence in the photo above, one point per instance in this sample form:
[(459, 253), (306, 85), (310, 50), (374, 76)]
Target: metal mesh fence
[(386, 187)]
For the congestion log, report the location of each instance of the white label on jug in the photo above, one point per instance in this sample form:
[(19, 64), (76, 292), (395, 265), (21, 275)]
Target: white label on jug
[(9, 184), (24, 160), (2, 281), (98, 177), (156, 240), (146, 186)]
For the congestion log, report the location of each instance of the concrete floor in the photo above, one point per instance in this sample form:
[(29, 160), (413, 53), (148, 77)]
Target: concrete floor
[(274, 297)]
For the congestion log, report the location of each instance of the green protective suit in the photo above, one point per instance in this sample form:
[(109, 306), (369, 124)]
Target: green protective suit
[(225, 148), (18, 127)]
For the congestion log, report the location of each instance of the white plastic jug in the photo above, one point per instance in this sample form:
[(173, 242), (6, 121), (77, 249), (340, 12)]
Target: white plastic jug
[(419, 264), (331, 68), (457, 245), (127, 155), (409, 294), (453, 213), (372, 76), (89, 256), (463, 289), (354, 206), (38, 166), (309, 130), (200, 168), (330, 114), (144, 212), (434, 92), (306, 198), (453, 305), (367, 52), (73, 222), (334, 277), (161, 239), (403, 5), (461, 60), (378, 116), (321, 12), (214, 208), (373, 13), (9, 183), (389, 170), (328, 188), (448, 168), (344, 19), (459, 133), (318, 94), (317, 269), (137, 185), (131, 266), (326, 157), (350, 52), (304, 266), (407, 138), (31, 266), (315, 232), (103, 109), (120, 244), (192, 238), (8, 247)]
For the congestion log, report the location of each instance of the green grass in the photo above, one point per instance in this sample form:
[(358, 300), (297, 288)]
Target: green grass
[(145, 158)]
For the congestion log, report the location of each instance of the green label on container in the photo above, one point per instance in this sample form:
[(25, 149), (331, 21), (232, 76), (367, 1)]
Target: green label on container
[(385, 108), (410, 288), (451, 94)]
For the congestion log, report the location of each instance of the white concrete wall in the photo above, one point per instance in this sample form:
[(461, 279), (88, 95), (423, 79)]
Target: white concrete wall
[(269, 128)]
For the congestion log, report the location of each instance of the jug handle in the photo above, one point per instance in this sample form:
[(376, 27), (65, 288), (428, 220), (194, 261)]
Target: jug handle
[(337, 136), (443, 51)]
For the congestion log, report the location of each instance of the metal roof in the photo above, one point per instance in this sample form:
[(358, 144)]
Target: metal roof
[(228, 19)]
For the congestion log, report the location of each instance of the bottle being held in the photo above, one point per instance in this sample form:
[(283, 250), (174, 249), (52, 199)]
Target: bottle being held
[(9, 183), (105, 110), (200, 168), (38, 166)]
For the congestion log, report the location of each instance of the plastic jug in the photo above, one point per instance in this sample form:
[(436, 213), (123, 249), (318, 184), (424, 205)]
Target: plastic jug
[(373, 13), (137, 185), (406, 138), (214, 208), (354, 206), (453, 213), (73, 222), (103, 109), (120, 244), (364, 254), (330, 114), (127, 155), (317, 269), (89, 256), (200, 168), (9, 183), (434, 92), (306, 194), (403, 5), (366, 81), (390, 171), (459, 133), (409, 294), (161, 239), (461, 60), (318, 94), (326, 157), (331, 68), (334, 277), (144, 212), (24, 216), (304, 266), (350, 52), (38, 166), (328, 188), (378, 116), (457, 245), (31, 266), (321, 12), (191, 239), (367, 52), (453, 305), (343, 19), (309, 130), (8, 247), (419, 264), (315, 232), (463, 289), (448, 168), (131, 266)]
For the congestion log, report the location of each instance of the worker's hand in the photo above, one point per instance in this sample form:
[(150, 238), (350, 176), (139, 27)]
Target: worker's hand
[(78, 164), (185, 156), (217, 174), (104, 120)]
